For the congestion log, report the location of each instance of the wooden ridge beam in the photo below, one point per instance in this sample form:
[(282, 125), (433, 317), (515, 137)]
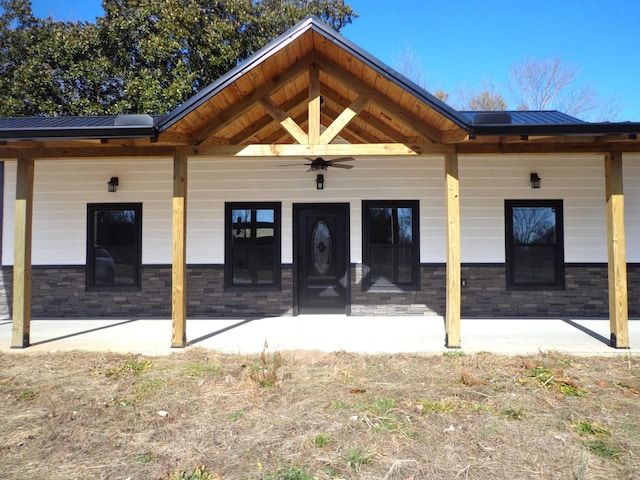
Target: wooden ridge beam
[(314, 104)]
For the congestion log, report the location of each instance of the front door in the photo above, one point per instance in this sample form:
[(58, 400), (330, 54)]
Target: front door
[(321, 258)]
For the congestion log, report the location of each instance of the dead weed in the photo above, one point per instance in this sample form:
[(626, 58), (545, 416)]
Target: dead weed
[(203, 415)]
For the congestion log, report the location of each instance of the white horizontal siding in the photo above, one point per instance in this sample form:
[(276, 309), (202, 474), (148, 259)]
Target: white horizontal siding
[(63, 189)]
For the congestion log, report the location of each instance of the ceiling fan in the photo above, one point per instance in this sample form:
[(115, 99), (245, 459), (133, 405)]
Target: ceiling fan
[(320, 163)]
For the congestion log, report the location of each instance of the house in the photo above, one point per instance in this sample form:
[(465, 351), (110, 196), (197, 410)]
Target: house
[(313, 178)]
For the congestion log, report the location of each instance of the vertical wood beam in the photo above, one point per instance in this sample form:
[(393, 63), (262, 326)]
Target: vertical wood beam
[(452, 185), (179, 264), (314, 104), (616, 247), (22, 254)]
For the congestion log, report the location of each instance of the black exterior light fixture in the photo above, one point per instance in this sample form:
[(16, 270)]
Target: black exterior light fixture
[(320, 182), (112, 185), (535, 180)]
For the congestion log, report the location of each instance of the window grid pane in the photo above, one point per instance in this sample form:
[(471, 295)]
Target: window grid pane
[(113, 247), (391, 257), (534, 243), (252, 233)]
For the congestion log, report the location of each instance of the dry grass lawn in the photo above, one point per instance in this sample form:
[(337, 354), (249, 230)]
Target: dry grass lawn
[(199, 414)]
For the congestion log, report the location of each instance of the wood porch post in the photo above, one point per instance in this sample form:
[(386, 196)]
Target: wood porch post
[(452, 184), (616, 247), (22, 254), (179, 264)]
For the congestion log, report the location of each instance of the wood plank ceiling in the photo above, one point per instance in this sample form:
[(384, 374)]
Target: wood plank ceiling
[(309, 84)]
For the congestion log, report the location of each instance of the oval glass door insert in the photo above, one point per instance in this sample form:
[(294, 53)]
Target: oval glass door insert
[(321, 248)]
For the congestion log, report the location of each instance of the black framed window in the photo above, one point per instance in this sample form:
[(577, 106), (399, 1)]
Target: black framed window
[(391, 244), (534, 244), (114, 245), (252, 245)]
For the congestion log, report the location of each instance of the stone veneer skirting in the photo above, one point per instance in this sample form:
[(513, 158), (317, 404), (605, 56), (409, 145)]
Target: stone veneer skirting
[(59, 291)]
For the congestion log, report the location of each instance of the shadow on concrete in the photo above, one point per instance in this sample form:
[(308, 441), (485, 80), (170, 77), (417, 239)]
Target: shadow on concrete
[(589, 332), (218, 332), (84, 332)]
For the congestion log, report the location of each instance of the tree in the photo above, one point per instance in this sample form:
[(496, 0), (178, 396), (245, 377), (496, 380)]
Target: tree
[(486, 99), (550, 84), (407, 65), (141, 56)]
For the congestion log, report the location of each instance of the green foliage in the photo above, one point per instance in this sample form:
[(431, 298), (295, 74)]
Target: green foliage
[(598, 442), (129, 367), (141, 56), (27, 395), (453, 354), (291, 473), (144, 458), (200, 473), (604, 449), (436, 406), (356, 458), (198, 370), (585, 427), (322, 440), (381, 406), (555, 380)]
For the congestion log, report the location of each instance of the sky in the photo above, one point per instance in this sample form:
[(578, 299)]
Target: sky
[(465, 44)]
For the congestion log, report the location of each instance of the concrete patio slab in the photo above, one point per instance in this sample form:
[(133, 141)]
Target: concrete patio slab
[(328, 333)]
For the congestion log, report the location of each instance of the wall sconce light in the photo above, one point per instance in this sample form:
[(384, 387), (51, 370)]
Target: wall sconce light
[(320, 182), (535, 180), (112, 185)]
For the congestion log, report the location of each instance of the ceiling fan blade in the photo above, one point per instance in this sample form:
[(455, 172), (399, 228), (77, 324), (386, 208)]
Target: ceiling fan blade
[(342, 159), (292, 164), (339, 165)]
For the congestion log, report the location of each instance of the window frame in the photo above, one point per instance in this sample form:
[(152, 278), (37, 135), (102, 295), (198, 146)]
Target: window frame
[(89, 264), (510, 250), (276, 286), (414, 284)]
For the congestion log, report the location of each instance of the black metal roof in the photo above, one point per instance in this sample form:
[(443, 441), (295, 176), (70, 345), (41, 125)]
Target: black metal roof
[(527, 117), (68, 127), (540, 122), (518, 123)]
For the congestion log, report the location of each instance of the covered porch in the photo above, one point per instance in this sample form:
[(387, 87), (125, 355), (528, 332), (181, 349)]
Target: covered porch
[(312, 94)]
